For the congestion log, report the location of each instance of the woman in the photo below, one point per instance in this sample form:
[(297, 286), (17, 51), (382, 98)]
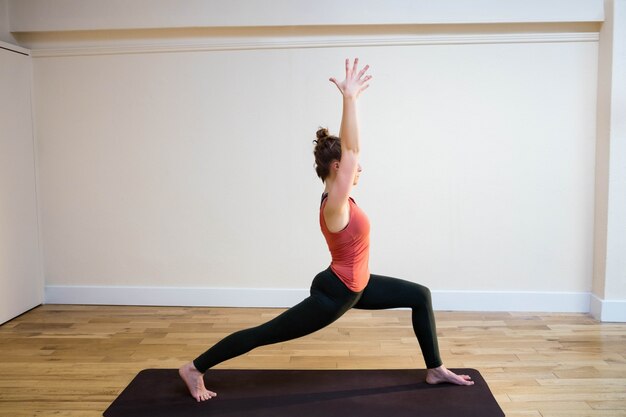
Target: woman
[(347, 283)]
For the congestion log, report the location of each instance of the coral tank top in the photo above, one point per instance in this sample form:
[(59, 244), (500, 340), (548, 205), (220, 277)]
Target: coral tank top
[(350, 247)]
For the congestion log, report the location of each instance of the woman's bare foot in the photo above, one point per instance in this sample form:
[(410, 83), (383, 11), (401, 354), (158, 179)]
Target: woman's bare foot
[(195, 382), (442, 374)]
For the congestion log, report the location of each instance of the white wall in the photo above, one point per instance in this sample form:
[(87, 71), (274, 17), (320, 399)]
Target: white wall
[(609, 281), (21, 278), (68, 15), (194, 168), (5, 33), (182, 159)]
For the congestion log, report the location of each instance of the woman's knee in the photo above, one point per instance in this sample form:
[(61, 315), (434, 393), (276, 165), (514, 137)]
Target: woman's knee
[(421, 295)]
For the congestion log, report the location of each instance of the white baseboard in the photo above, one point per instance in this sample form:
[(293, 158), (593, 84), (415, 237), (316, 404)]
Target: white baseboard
[(608, 310), (174, 296), (570, 302), (530, 301)]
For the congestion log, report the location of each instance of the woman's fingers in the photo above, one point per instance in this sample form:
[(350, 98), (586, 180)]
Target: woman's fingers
[(363, 71), (366, 79), (355, 81), (355, 66)]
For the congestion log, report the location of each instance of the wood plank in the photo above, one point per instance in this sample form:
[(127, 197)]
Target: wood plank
[(74, 360)]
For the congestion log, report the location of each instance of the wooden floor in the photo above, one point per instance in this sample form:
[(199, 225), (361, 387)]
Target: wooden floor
[(59, 360)]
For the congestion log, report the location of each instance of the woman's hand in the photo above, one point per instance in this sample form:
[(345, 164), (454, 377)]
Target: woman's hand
[(355, 83)]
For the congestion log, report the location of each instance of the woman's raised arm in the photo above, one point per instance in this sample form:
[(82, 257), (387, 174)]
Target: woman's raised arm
[(351, 87)]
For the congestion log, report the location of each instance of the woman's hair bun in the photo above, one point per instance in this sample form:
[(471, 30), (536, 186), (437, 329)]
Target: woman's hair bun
[(327, 149), (322, 133)]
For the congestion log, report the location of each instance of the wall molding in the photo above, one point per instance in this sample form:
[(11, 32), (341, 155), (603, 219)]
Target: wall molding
[(300, 43), (523, 301), (14, 48), (608, 310)]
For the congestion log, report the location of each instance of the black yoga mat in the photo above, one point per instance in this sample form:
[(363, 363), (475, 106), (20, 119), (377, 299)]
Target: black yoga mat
[(304, 393)]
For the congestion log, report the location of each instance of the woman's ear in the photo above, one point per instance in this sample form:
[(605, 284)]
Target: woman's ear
[(336, 165)]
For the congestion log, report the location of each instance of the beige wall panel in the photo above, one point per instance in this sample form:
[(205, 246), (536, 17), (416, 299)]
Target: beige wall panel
[(21, 281), (195, 168)]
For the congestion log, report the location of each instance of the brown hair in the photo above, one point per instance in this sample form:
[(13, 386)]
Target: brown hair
[(327, 149)]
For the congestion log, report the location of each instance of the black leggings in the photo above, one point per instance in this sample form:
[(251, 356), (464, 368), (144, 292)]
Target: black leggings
[(328, 301)]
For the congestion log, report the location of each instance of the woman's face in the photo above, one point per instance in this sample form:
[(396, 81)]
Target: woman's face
[(357, 175)]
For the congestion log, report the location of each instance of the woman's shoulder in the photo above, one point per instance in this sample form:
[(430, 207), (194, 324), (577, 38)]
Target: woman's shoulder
[(325, 196), (323, 199)]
